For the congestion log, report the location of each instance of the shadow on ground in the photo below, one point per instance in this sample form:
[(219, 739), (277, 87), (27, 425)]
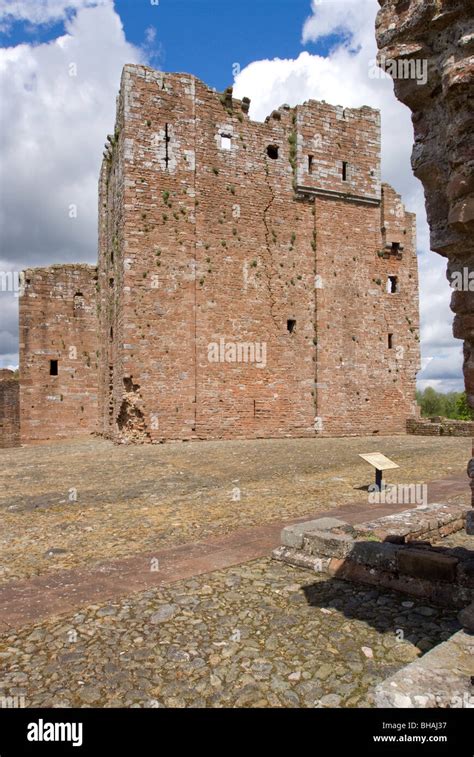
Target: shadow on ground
[(415, 617)]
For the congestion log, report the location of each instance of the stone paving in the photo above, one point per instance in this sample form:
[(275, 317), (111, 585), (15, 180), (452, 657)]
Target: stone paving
[(213, 627), (77, 503), (262, 634)]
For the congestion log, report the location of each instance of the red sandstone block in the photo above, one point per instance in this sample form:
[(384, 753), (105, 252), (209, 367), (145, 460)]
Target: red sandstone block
[(427, 564), (451, 528)]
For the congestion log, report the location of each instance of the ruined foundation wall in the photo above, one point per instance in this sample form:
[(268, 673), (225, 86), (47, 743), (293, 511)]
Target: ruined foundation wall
[(9, 409), (58, 352), (212, 234), (440, 427)]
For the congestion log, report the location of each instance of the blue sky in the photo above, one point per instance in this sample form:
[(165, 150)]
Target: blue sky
[(205, 37), (53, 126)]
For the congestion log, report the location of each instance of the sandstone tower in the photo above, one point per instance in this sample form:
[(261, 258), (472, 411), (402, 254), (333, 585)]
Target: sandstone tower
[(254, 279)]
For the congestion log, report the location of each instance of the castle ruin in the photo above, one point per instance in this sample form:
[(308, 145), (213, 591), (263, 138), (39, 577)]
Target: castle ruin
[(254, 280)]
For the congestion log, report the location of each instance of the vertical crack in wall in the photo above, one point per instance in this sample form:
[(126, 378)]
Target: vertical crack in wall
[(316, 333), (269, 264)]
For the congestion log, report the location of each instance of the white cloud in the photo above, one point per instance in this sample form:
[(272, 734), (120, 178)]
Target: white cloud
[(354, 18), (342, 78), (51, 139), (152, 49), (150, 34), (44, 11)]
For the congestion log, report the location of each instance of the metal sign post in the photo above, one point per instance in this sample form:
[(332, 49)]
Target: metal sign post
[(380, 463)]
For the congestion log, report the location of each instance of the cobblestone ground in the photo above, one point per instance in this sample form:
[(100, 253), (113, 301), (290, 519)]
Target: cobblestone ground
[(262, 634), (78, 503)]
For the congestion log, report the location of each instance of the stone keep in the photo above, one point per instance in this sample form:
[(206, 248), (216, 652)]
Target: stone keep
[(254, 279)]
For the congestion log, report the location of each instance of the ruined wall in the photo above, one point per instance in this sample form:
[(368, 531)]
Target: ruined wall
[(58, 352), (440, 33), (440, 427), (9, 409), (216, 235)]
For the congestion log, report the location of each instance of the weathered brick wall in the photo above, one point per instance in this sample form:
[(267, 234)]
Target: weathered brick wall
[(9, 409), (364, 383), (443, 427), (203, 241), (58, 334)]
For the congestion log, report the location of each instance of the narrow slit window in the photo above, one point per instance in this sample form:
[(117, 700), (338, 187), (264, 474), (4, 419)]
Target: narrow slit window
[(344, 170), (111, 386), (167, 141), (392, 285), (272, 151), (390, 341), (111, 282), (291, 325), (226, 142), (53, 367), (396, 247), (310, 163)]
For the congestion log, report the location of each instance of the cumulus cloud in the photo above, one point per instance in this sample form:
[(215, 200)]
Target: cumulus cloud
[(345, 76), (58, 104), (43, 11)]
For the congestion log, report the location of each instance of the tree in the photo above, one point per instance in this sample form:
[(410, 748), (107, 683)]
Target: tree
[(451, 405), (463, 411), (431, 403)]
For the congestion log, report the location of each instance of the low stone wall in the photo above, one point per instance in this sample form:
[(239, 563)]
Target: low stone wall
[(439, 427), (441, 678), (9, 410), (393, 552)]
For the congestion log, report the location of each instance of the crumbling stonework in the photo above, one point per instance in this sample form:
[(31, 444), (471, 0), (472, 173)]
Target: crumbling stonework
[(254, 279), (244, 268), (58, 352), (440, 427), (440, 32), (9, 409), (394, 551)]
